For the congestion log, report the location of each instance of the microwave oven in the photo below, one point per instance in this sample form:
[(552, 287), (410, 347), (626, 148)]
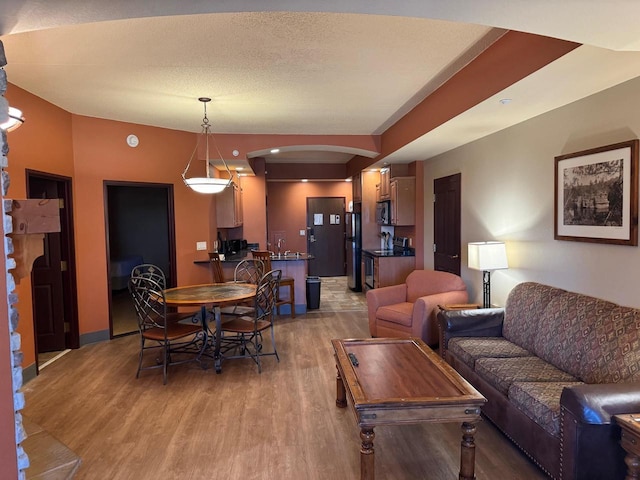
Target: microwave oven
[(383, 212)]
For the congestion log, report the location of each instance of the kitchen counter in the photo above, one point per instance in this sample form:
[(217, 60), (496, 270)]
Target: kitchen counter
[(390, 253), (244, 254), (292, 265)]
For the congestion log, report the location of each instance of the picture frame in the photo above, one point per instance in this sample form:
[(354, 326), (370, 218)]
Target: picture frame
[(596, 195)]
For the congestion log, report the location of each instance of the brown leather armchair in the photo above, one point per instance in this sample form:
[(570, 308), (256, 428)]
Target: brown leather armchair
[(410, 309)]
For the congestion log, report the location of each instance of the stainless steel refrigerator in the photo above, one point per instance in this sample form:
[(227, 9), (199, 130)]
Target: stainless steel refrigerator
[(354, 251)]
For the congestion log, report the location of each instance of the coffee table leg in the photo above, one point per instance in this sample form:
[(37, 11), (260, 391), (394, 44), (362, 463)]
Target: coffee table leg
[(341, 394), (467, 452), (367, 454)]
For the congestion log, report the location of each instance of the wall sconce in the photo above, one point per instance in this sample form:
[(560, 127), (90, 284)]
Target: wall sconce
[(487, 256), (14, 121)]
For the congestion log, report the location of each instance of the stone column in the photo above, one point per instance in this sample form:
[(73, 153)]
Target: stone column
[(12, 298)]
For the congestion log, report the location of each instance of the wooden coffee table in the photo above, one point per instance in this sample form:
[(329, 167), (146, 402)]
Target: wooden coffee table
[(397, 381)]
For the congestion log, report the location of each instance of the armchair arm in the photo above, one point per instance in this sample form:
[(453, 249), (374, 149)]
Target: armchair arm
[(424, 322), (597, 403), (383, 296)]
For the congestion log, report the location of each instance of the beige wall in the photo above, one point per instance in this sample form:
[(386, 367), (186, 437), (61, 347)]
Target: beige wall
[(508, 194)]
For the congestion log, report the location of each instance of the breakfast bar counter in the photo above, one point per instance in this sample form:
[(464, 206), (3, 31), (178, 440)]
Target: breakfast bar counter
[(292, 265)]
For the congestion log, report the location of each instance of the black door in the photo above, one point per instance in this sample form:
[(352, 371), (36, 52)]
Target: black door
[(446, 228), (326, 236), (53, 274)]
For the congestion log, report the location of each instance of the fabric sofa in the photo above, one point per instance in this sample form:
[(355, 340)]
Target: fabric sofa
[(409, 309), (555, 366)]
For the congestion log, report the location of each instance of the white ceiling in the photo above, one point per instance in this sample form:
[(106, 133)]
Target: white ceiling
[(284, 70)]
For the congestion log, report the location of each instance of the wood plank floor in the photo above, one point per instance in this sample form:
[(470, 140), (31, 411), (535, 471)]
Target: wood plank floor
[(281, 424)]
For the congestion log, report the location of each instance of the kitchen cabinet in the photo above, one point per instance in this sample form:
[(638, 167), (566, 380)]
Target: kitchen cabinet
[(385, 271), (229, 207), (387, 174), (402, 192), (356, 185)]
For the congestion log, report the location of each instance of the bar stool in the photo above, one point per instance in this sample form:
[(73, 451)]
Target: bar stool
[(265, 256)]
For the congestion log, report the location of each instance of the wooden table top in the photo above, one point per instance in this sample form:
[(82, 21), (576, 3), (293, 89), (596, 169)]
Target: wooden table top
[(399, 374), (209, 294)]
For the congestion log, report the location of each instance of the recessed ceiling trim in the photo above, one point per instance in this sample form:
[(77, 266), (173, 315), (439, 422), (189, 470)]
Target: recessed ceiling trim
[(314, 148)]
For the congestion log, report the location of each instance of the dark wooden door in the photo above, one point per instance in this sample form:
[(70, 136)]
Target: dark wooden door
[(446, 228), (47, 279), (326, 236)]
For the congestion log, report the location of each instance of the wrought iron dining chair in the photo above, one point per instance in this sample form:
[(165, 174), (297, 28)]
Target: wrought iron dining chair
[(242, 335), (167, 335), (217, 274), (289, 282), (156, 274), (246, 271)]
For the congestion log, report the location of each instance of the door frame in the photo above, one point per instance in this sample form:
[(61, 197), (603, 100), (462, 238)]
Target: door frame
[(69, 285), (457, 221), (168, 187)]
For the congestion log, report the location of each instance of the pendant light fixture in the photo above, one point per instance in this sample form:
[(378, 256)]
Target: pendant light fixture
[(206, 184)]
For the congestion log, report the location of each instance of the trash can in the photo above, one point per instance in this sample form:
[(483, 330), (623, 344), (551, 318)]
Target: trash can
[(313, 293)]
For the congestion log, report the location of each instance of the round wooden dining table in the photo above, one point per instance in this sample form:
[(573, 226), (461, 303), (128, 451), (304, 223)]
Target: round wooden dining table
[(213, 296)]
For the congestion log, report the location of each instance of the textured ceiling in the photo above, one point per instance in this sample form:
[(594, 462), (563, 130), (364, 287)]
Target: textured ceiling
[(288, 71)]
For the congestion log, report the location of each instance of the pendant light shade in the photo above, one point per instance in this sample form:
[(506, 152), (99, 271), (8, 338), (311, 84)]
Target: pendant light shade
[(206, 184)]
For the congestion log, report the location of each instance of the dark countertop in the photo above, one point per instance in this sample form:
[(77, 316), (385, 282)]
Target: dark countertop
[(243, 254), (410, 252)]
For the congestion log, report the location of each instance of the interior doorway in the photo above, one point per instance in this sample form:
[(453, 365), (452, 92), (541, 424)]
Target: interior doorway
[(326, 236), (53, 277), (446, 224), (140, 229)]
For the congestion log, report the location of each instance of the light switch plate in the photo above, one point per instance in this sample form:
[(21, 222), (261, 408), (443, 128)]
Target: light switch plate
[(302, 233), (201, 245)]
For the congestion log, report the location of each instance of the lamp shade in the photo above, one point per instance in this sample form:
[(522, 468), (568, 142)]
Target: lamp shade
[(206, 184), (487, 256), (13, 121)]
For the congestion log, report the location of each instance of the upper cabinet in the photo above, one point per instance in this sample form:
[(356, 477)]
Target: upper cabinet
[(402, 192), (356, 185), (229, 207), (387, 174), (385, 188)]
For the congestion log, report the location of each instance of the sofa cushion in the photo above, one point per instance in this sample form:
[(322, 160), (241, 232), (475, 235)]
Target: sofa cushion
[(540, 401), (400, 313), (469, 349), (593, 339), (523, 309), (502, 372)]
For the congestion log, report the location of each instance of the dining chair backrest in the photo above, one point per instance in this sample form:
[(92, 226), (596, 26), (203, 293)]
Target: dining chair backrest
[(248, 271), (152, 272), (217, 274), (149, 302), (266, 295), (263, 255)]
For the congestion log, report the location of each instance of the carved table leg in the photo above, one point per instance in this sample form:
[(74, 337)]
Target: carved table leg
[(341, 394), (467, 452), (367, 454), (633, 466)]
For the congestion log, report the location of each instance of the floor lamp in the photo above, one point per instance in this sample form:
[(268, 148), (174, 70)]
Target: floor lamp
[(487, 256)]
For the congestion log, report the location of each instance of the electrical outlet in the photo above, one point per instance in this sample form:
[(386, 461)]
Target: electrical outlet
[(201, 245), (302, 233)]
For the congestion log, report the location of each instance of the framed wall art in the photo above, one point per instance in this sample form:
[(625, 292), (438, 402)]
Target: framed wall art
[(596, 195)]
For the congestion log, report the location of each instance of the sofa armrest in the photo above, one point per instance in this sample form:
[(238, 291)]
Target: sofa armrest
[(483, 322), (425, 309), (597, 403)]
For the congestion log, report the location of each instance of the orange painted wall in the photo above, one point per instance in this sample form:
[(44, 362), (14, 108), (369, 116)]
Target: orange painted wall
[(254, 205), (287, 208), (44, 144), (101, 153)]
